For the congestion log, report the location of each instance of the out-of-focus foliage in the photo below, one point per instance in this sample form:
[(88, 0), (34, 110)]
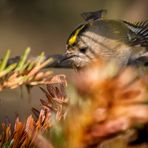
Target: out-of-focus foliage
[(27, 72), (111, 105), (107, 108)]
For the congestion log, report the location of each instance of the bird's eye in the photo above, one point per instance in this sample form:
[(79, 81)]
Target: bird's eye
[(83, 50)]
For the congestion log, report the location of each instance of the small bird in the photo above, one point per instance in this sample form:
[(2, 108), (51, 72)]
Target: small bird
[(119, 41)]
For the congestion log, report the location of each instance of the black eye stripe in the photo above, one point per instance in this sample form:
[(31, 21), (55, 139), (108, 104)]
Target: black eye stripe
[(88, 47), (83, 49)]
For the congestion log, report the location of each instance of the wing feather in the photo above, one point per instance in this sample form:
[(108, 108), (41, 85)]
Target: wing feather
[(141, 31)]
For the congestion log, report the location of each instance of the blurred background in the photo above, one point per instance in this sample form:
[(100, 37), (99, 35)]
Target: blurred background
[(44, 25)]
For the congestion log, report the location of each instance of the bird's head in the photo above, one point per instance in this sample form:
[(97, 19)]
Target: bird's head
[(82, 46)]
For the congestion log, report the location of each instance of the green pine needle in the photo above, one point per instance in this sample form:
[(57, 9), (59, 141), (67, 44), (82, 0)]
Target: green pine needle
[(8, 70), (21, 65), (4, 61)]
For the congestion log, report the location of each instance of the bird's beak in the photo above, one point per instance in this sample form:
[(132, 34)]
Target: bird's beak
[(61, 61), (66, 58)]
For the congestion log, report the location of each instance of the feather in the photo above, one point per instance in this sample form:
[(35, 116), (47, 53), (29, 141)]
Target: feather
[(93, 15), (141, 31)]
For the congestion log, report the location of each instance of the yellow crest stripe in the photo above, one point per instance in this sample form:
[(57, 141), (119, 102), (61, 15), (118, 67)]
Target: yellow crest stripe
[(73, 38)]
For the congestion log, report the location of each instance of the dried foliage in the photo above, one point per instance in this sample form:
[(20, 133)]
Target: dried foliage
[(29, 134), (57, 99), (23, 135), (27, 72)]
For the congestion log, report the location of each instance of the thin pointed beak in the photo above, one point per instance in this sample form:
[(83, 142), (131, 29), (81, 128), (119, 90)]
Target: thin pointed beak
[(61, 61), (65, 58)]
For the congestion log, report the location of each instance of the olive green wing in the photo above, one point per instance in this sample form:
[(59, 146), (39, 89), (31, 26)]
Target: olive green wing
[(94, 15), (141, 31)]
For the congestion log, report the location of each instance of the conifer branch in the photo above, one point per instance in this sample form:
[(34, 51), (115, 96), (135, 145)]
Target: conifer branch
[(24, 71)]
